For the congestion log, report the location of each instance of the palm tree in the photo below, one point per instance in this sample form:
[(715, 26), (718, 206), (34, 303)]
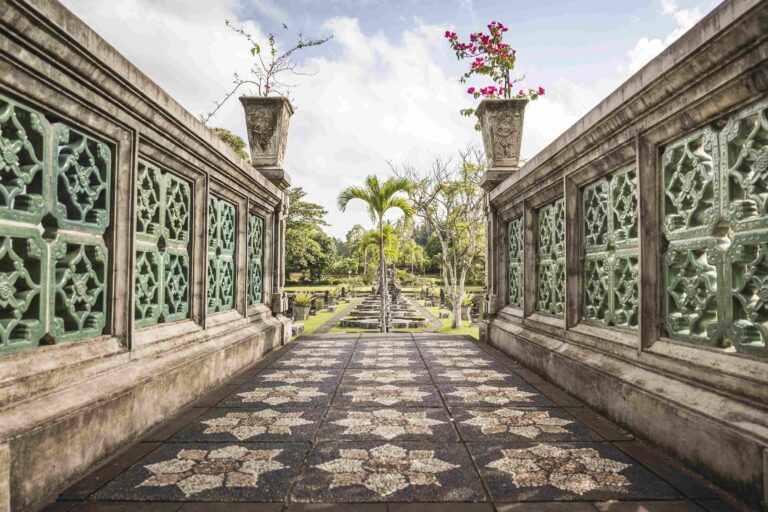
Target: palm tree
[(380, 197)]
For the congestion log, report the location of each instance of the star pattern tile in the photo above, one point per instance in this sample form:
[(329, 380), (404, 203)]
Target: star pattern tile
[(309, 362), (452, 352), (388, 423), (319, 352), (386, 352), (492, 395), (385, 469), (385, 362), (461, 362), (279, 395), (472, 375), (247, 425), (526, 423), (387, 375), (386, 394), (297, 376)]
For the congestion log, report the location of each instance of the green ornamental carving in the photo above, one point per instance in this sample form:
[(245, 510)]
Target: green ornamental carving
[(53, 288), (610, 293), (515, 275), (551, 259), (24, 143), (222, 230), (163, 203), (714, 268), (255, 259)]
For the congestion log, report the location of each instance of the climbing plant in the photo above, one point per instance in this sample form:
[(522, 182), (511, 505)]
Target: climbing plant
[(551, 259), (515, 275), (610, 293), (222, 229), (53, 288), (162, 246)]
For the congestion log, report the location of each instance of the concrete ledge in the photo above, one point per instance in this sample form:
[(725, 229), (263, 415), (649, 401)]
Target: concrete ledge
[(714, 433), (52, 439)]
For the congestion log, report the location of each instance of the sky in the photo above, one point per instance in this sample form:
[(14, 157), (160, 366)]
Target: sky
[(385, 88)]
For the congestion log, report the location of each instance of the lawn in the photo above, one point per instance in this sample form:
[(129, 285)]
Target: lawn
[(314, 321), (466, 328)]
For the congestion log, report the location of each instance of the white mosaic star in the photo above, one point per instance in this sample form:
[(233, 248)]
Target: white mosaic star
[(453, 352), (473, 375), (464, 362), (578, 470), (281, 395), (245, 425), (384, 375), (385, 395), (385, 362), (195, 471), (491, 394), (384, 352), (445, 344), (387, 423), (385, 469), (296, 376), (318, 352), (528, 424)]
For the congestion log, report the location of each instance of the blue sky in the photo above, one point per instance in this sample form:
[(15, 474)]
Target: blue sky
[(386, 86)]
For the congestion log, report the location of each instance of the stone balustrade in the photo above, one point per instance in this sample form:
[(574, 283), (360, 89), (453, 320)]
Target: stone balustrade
[(629, 258), (140, 258)]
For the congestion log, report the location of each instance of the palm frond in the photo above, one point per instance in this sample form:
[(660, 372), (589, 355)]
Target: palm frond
[(350, 193), (403, 204)]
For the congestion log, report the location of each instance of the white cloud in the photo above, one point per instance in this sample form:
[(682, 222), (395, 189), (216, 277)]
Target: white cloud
[(377, 99)]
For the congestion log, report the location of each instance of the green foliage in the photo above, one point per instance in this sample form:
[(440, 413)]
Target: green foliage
[(232, 140), (308, 249), (304, 214), (303, 299)]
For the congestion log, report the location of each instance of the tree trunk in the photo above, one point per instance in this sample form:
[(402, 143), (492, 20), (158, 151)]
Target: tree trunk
[(382, 277)]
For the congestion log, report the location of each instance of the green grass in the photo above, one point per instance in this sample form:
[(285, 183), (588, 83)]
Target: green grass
[(466, 328), (312, 323), (322, 288)]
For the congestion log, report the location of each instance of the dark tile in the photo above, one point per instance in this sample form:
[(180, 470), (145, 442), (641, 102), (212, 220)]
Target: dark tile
[(719, 506), (545, 507), (336, 507), (277, 424), (388, 471), (529, 376), (646, 506), (379, 376), (440, 507), (388, 423), (260, 395), (299, 376), (378, 395), (558, 396), (564, 472), (59, 506), (495, 375), (170, 427), (520, 424), (231, 507), (109, 470), (605, 428), (210, 472), (492, 395), (126, 506), (215, 396), (684, 480)]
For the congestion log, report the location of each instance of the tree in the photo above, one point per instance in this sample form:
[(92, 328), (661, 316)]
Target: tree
[(308, 249), (380, 197), (232, 140), (449, 198)]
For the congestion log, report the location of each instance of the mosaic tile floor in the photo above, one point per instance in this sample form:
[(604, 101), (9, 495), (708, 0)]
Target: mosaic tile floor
[(435, 420)]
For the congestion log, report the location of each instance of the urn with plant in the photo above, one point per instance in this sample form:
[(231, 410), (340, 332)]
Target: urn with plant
[(502, 106)]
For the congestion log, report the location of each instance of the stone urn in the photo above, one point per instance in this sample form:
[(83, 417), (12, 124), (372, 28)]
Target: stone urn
[(501, 125), (267, 119)]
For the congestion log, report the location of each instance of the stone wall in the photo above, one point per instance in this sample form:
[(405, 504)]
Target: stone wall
[(137, 253), (628, 262)]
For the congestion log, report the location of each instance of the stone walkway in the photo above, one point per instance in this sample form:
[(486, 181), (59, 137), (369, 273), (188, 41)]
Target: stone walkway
[(383, 422)]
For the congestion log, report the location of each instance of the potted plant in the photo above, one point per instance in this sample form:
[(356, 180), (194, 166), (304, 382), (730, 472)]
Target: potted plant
[(500, 113), (267, 108), (466, 306), (302, 303)]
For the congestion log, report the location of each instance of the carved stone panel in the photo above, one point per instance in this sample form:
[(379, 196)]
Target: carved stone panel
[(551, 259), (267, 123), (501, 125), (515, 275), (222, 236)]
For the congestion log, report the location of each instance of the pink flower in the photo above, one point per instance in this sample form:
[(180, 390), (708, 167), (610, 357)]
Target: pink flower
[(541, 91), (521, 93), (471, 90)]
